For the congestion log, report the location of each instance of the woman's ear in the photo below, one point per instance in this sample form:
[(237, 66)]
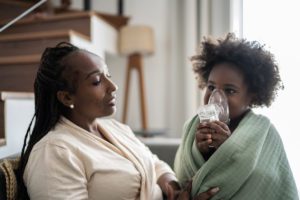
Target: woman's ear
[(65, 98)]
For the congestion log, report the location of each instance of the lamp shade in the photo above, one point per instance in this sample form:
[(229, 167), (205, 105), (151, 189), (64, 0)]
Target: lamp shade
[(136, 39)]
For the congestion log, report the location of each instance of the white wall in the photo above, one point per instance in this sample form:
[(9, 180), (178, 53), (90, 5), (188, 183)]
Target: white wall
[(163, 71), (171, 91), (281, 37), (220, 17), (215, 16), (170, 86), (155, 67), (18, 114)]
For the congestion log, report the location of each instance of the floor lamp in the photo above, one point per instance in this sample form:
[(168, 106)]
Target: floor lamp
[(136, 42)]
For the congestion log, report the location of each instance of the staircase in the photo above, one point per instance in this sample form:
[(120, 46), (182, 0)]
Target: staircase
[(22, 44), (12, 8)]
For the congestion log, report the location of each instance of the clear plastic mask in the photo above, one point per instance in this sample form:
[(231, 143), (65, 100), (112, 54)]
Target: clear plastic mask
[(216, 109)]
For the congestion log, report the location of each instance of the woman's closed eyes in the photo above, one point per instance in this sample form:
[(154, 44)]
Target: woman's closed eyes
[(98, 78)]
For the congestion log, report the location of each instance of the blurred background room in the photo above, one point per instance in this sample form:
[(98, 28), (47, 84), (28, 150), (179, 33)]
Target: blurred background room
[(147, 45)]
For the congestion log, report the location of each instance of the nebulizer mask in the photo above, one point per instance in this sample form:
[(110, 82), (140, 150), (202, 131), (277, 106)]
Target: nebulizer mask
[(216, 109)]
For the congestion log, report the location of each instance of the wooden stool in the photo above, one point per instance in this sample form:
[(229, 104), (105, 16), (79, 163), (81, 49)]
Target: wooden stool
[(135, 42), (135, 63)]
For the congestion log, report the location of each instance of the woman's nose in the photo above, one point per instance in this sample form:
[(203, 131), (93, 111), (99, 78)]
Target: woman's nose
[(112, 86)]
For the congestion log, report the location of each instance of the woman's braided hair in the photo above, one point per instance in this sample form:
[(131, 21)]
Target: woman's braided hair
[(49, 80)]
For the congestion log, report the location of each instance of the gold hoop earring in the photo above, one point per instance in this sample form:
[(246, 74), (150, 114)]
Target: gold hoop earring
[(72, 106)]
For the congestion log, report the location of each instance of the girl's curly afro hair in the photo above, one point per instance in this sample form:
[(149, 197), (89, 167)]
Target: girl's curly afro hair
[(256, 63)]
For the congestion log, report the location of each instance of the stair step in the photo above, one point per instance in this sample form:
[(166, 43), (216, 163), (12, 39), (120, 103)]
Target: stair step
[(16, 3), (39, 35), (17, 73), (15, 60), (114, 20), (77, 21), (18, 77), (21, 44), (10, 9), (34, 43), (80, 22)]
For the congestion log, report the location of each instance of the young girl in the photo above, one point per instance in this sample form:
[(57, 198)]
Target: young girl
[(244, 157)]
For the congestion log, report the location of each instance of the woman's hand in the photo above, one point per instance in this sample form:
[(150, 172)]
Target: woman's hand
[(185, 194), (173, 190), (169, 185), (211, 135)]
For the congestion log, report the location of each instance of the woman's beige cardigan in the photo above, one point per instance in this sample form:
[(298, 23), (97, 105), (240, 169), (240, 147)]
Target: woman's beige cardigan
[(71, 163)]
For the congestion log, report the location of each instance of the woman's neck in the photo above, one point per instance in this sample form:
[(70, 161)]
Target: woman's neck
[(89, 125)]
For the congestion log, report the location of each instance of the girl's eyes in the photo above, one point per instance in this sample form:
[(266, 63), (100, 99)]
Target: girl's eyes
[(210, 87), (229, 91)]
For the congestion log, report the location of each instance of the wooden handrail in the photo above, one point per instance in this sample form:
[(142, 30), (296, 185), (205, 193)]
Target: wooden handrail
[(26, 12)]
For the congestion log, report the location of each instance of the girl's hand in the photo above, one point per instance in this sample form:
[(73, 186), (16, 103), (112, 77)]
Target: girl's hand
[(203, 137), (211, 135), (221, 133)]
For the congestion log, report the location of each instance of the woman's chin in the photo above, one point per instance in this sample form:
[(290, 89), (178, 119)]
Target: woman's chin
[(112, 111)]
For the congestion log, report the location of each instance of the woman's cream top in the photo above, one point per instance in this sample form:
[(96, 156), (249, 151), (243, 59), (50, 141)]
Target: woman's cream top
[(71, 163)]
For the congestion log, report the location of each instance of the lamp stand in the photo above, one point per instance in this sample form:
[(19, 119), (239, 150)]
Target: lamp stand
[(135, 63)]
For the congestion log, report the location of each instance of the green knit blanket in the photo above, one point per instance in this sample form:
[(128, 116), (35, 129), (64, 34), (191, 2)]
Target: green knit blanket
[(250, 165)]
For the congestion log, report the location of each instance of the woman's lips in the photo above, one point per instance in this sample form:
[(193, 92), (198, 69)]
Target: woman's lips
[(112, 102)]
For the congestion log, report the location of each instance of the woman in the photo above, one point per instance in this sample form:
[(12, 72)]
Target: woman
[(73, 152), (245, 157)]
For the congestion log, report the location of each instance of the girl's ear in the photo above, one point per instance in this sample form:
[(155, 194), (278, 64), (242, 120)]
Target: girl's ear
[(65, 98), (252, 99)]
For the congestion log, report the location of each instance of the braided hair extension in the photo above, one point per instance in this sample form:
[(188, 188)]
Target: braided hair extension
[(49, 80)]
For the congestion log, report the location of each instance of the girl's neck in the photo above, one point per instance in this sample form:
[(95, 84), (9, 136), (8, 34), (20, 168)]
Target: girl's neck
[(235, 122)]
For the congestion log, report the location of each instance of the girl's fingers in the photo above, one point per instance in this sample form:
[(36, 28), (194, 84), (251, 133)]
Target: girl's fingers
[(220, 127), (223, 125), (202, 125)]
